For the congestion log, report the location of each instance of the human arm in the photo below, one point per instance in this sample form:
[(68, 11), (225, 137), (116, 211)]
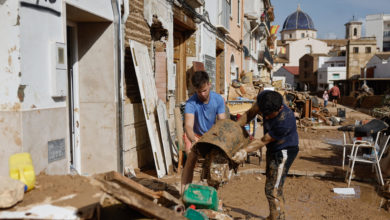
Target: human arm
[(249, 115), (189, 127), (256, 144), (221, 108), (221, 116)]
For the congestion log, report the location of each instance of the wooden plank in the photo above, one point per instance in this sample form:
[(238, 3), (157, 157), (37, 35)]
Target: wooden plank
[(179, 135), (139, 203), (147, 88), (130, 184), (163, 197), (164, 131)]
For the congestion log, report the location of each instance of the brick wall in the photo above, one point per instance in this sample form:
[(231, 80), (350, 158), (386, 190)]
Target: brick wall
[(136, 26)]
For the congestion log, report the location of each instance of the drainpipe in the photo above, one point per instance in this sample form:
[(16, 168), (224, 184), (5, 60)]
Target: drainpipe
[(119, 73), (121, 79)]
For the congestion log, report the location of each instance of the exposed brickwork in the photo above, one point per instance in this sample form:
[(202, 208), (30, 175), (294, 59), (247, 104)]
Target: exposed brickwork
[(136, 29), (136, 26)]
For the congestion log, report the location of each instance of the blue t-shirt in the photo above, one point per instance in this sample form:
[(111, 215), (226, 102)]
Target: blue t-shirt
[(283, 128), (205, 114)]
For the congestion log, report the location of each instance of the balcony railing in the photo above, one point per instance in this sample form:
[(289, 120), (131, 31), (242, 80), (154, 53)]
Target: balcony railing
[(223, 16)]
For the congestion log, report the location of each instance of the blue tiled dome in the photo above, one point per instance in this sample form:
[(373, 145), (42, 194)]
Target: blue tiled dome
[(298, 20)]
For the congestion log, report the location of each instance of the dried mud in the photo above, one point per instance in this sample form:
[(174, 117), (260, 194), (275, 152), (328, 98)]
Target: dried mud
[(306, 198)]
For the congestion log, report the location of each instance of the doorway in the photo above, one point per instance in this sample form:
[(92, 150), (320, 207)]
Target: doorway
[(73, 100)]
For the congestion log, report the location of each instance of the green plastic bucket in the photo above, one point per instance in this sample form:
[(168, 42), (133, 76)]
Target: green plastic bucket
[(203, 197), (195, 215)]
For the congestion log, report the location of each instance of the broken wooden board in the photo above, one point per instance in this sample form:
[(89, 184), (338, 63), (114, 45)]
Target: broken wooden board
[(179, 136), (148, 92), (138, 202), (164, 131), (162, 197)]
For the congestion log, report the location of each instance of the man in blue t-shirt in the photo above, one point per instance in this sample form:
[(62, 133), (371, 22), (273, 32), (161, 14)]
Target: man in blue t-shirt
[(202, 110), (281, 139)]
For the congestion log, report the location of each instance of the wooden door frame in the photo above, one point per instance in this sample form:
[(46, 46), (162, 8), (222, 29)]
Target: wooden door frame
[(181, 79), (220, 73)]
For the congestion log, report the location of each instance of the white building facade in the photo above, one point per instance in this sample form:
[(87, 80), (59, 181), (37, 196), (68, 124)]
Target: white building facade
[(59, 87), (378, 25), (330, 69)]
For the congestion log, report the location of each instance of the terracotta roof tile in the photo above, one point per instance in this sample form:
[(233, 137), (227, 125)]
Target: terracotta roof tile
[(292, 69)]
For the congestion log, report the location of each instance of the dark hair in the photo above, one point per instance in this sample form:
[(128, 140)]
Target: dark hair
[(269, 101), (199, 78)]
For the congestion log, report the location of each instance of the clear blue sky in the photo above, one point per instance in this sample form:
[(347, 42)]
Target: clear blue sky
[(329, 16)]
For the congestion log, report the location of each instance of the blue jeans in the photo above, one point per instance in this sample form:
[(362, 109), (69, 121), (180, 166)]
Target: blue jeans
[(325, 103)]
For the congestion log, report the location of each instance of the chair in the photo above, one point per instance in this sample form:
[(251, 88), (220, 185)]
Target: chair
[(346, 144), (374, 160)]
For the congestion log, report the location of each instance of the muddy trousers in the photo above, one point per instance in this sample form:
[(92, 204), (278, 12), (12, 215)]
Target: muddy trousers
[(278, 164)]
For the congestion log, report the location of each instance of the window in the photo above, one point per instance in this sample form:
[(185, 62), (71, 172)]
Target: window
[(356, 50), (290, 35), (305, 64), (336, 75), (308, 49), (239, 13), (368, 49), (320, 76), (303, 35), (355, 32), (332, 65)]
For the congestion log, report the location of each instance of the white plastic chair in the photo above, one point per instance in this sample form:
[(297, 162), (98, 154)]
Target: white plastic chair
[(346, 144), (354, 157)]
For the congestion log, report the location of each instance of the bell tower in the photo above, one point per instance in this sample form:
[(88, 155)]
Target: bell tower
[(353, 30)]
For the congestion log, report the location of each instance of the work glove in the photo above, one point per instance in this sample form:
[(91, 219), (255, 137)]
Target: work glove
[(240, 156)]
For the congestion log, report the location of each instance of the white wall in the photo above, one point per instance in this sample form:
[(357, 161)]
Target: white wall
[(101, 8), (329, 61), (208, 42), (373, 61), (382, 70), (39, 32), (211, 7), (297, 49), (297, 34), (253, 7), (374, 27), (325, 74), (9, 54)]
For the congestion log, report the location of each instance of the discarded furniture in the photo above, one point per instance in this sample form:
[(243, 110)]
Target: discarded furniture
[(373, 159), (347, 143)]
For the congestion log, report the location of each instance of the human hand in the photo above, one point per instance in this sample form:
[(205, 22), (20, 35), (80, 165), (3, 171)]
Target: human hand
[(240, 156)]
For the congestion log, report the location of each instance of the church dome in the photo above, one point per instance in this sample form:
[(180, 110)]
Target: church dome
[(298, 20)]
